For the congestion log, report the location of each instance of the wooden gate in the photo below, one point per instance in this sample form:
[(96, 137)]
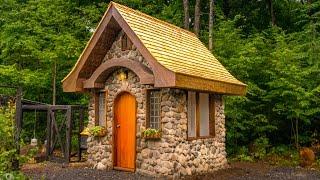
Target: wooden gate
[(59, 133)]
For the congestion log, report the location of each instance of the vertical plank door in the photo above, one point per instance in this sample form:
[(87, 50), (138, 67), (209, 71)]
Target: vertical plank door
[(125, 132)]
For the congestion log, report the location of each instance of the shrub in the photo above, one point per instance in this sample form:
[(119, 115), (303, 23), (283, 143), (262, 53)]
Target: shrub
[(8, 146), (281, 150), (260, 147), (242, 155)]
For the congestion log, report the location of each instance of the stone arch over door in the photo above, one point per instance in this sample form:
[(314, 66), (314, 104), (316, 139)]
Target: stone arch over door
[(101, 73)]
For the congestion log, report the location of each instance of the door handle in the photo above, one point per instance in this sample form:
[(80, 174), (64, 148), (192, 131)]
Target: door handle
[(118, 125)]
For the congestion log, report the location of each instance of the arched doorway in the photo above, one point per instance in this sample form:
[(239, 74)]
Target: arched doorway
[(124, 132)]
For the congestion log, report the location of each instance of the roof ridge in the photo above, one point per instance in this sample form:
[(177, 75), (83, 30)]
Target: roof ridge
[(153, 18)]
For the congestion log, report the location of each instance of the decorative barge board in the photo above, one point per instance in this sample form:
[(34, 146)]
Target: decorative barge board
[(158, 91)]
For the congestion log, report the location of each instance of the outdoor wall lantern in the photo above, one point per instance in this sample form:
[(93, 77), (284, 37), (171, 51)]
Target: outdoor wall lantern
[(123, 75)]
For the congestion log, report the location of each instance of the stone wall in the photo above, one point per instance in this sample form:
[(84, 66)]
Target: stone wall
[(116, 52), (173, 155), (99, 149)]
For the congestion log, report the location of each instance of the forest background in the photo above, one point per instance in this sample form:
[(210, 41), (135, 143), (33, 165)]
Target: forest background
[(271, 45)]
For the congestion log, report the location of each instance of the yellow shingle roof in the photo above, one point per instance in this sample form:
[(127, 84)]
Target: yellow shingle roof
[(176, 56), (175, 48)]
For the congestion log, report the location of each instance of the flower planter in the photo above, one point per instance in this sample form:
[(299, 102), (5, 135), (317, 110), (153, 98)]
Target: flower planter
[(152, 137), (96, 131), (151, 134), (101, 133)]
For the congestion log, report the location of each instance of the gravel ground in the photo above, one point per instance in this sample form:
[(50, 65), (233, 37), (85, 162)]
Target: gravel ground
[(259, 170), (237, 171), (75, 171)]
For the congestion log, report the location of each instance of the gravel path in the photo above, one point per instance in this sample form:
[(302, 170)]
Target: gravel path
[(55, 171), (237, 171)]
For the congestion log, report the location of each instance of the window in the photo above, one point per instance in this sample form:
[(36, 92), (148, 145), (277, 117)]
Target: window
[(126, 44), (153, 109), (204, 114), (200, 115), (100, 108), (192, 101)]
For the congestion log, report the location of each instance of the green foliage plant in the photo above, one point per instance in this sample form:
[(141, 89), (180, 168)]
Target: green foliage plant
[(8, 151), (97, 131), (7, 148), (242, 155), (260, 147), (151, 133), (283, 155)]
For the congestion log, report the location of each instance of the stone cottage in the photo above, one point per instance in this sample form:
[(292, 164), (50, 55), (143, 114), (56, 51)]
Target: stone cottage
[(143, 73)]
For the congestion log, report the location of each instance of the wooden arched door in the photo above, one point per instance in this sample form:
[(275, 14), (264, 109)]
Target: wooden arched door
[(124, 132)]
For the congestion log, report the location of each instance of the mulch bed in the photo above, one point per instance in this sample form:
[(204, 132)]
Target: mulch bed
[(237, 170)]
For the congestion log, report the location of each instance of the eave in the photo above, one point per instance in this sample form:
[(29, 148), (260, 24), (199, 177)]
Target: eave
[(111, 23)]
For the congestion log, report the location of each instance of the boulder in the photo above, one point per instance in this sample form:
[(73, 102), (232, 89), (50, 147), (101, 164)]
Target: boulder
[(101, 166)]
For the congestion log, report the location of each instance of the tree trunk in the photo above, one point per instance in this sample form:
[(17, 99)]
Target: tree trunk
[(211, 19), (197, 18), (309, 7), (54, 74), (226, 8), (297, 134), (273, 17), (186, 14)]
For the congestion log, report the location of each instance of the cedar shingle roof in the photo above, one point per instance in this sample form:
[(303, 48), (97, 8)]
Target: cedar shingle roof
[(175, 48), (178, 58)]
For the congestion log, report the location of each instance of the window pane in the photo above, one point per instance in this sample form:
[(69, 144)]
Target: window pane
[(102, 110), (154, 116), (192, 114), (204, 114)]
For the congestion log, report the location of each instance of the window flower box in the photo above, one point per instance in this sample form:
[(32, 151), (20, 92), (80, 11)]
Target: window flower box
[(151, 134), (96, 131)]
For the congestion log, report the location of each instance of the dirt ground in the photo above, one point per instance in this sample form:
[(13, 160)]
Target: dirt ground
[(237, 170)]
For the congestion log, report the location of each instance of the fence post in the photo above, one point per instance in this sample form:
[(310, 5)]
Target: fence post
[(18, 117), (81, 115), (68, 135), (49, 132)]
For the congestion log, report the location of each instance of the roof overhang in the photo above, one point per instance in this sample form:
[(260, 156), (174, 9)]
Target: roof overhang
[(201, 84), (74, 82), (90, 74)]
